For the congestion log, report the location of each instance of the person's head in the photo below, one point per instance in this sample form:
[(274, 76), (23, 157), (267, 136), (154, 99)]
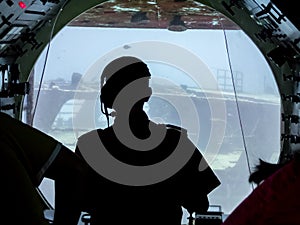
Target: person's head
[(124, 84)]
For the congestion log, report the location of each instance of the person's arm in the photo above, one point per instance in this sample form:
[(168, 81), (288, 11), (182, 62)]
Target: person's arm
[(67, 208), (69, 172), (199, 181), (42, 156)]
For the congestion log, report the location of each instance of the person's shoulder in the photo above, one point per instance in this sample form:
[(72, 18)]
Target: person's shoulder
[(175, 128), (170, 128), (176, 131), (90, 134)]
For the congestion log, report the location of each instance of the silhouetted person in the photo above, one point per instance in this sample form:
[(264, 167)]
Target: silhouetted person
[(26, 157), (143, 172), (275, 201), (263, 170)]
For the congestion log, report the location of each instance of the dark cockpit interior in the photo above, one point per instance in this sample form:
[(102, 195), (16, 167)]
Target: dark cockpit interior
[(225, 70)]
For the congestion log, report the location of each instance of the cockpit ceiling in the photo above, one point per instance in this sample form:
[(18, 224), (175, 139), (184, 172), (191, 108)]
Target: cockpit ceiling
[(19, 22)]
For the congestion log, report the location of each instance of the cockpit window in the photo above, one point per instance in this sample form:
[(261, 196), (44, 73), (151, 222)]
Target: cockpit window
[(214, 83)]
